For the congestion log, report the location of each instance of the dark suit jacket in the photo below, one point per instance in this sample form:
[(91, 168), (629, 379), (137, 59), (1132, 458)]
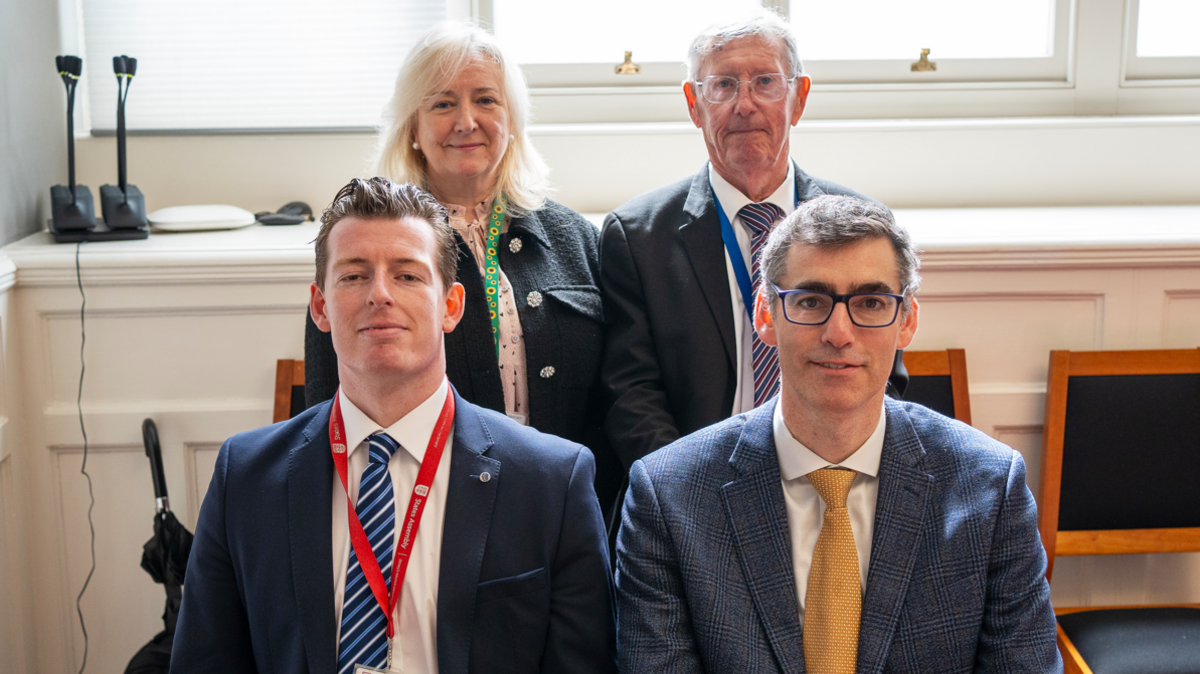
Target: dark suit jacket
[(956, 580), (670, 360), (558, 257), (523, 585)]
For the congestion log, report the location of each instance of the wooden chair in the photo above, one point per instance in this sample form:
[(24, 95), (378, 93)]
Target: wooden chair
[(1121, 475), (289, 389), (938, 380)]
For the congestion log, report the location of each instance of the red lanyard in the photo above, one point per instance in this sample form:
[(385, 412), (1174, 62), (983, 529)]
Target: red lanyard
[(416, 506)]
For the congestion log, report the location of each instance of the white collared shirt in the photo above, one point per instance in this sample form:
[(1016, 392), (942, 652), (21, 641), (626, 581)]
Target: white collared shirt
[(414, 646), (805, 510), (733, 201)]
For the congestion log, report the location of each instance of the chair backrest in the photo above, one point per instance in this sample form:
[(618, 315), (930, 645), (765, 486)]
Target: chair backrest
[(1121, 453), (938, 380), (289, 389)]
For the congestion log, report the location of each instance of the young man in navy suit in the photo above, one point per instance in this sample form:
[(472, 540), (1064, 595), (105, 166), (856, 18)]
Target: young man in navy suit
[(397, 527), (832, 530)]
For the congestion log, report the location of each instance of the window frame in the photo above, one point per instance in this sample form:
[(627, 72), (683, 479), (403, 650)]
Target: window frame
[(1092, 48)]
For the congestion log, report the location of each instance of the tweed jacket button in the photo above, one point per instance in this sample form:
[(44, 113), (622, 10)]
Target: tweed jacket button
[(514, 244), (534, 299), (547, 372)]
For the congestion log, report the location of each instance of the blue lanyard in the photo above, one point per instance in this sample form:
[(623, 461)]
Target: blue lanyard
[(735, 254)]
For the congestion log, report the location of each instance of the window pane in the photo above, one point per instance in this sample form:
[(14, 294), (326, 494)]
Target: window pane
[(221, 64), (558, 31), (886, 29), (1168, 28)]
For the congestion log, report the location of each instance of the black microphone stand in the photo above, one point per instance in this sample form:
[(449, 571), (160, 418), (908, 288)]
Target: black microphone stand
[(123, 206), (71, 206)]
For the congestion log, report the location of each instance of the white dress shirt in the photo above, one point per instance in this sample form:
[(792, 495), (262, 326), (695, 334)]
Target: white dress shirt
[(805, 510), (414, 646), (733, 201)]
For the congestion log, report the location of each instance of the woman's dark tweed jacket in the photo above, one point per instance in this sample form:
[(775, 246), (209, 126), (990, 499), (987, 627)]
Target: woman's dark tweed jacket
[(555, 273)]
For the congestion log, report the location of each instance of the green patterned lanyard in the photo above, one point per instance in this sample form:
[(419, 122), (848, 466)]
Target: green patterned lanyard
[(491, 277)]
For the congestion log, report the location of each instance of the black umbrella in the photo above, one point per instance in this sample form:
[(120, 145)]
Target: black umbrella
[(164, 557)]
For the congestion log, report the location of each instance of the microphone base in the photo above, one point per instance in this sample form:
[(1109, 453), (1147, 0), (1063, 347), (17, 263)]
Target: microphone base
[(125, 210), (72, 212)]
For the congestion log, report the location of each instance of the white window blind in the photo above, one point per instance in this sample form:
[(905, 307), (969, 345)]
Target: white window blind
[(250, 64)]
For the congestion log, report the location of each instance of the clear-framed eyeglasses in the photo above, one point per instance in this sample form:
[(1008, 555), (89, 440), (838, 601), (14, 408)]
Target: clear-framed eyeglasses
[(766, 88), (812, 307)]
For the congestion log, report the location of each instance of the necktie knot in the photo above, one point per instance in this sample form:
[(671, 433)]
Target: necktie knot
[(760, 217), (833, 484), (382, 447)]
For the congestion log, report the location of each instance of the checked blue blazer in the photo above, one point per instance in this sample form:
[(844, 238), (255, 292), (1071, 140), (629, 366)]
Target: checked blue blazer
[(957, 572)]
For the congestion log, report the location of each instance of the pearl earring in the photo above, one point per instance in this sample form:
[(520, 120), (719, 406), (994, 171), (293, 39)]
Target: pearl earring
[(415, 146), (511, 138)]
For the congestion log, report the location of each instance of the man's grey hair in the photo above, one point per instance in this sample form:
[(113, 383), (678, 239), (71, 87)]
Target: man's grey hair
[(761, 23), (830, 221)]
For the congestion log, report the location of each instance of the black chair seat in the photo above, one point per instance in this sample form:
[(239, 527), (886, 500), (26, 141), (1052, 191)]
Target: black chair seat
[(1137, 640)]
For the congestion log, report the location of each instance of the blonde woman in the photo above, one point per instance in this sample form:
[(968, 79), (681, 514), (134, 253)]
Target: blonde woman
[(530, 341)]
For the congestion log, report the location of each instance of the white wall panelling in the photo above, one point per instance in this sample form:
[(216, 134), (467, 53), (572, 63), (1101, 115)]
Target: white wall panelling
[(13, 628), (179, 331), (186, 328)]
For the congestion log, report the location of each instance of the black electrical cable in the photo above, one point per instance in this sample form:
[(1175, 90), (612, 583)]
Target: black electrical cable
[(83, 467)]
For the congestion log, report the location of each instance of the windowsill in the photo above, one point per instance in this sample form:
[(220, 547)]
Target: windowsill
[(874, 125), (961, 238)]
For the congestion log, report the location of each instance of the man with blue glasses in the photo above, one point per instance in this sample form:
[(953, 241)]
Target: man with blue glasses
[(834, 530)]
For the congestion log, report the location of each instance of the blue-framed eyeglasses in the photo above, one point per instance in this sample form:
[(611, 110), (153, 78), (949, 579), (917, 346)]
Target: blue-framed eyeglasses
[(813, 307)]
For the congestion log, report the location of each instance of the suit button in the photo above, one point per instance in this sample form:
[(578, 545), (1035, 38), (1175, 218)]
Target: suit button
[(534, 299), (514, 244), (547, 372)]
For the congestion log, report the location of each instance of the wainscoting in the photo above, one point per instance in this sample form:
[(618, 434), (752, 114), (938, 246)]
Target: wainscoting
[(185, 329)]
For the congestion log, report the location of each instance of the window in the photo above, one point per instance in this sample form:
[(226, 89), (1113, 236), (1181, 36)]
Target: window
[(573, 44), (877, 41), (280, 64), (249, 64), (1162, 40)]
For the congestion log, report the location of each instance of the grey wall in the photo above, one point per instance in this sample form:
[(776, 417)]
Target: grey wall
[(32, 122)]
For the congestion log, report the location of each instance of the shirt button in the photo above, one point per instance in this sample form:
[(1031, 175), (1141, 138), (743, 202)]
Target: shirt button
[(547, 372), (534, 299), (514, 244)]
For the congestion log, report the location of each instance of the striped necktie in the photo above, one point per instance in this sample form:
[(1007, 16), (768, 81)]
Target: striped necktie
[(759, 218), (364, 625)]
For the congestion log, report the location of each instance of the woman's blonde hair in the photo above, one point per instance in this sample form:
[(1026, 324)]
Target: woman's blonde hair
[(439, 55)]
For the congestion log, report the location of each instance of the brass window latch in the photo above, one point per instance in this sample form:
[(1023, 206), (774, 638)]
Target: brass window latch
[(628, 67), (924, 65)]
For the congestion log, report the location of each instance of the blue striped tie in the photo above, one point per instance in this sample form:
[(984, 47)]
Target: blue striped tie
[(364, 624), (759, 218)]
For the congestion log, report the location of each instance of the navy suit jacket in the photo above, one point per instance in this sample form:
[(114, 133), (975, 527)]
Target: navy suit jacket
[(524, 582), (956, 581)]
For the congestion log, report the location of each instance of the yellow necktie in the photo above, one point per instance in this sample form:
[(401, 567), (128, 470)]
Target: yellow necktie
[(834, 603)]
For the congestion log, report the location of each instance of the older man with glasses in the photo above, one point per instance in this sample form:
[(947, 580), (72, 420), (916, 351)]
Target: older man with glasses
[(833, 530), (679, 265)]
